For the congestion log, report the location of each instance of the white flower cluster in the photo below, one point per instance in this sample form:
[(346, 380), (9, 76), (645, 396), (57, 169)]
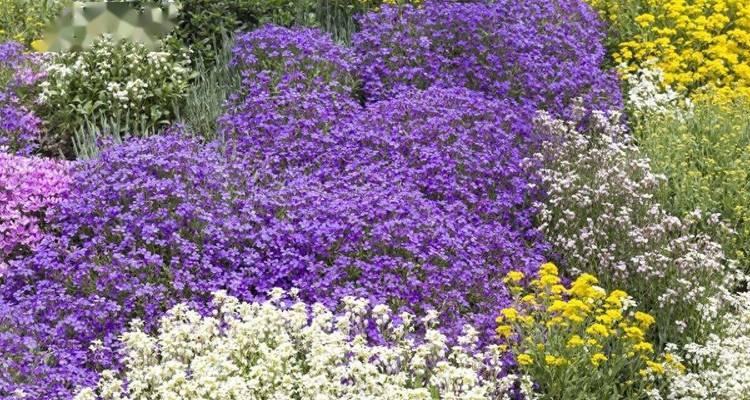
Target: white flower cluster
[(647, 94), (269, 351), (721, 365), (602, 217)]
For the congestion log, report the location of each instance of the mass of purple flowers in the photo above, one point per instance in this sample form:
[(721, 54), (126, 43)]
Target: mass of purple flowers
[(419, 199), (296, 84), (28, 188), (504, 49), (19, 127)]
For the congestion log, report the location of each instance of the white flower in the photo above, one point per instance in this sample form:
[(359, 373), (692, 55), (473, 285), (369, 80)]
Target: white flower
[(268, 351)]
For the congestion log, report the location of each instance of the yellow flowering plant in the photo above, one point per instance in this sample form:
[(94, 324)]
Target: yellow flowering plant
[(706, 158), (24, 21), (702, 46), (580, 341)]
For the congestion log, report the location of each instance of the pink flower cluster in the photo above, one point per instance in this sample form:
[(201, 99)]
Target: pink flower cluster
[(28, 187)]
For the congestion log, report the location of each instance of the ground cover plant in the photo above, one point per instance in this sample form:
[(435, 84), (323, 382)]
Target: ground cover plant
[(437, 199), (20, 128)]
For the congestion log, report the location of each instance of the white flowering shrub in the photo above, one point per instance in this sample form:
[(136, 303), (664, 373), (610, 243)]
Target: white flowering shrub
[(601, 217), (120, 82), (721, 365), (270, 351), (647, 94)]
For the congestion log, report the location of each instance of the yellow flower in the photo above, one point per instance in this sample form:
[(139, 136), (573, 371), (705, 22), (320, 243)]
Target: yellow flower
[(598, 330), (633, 332), (557, 289), (514, 276), (524, 359), (615, 298), (555, 321), (655, 367), (529, 298), (558, 306), (548, 269), (598, 358), (553, 361), (504, 331), (39, 45), (645, 19), (645, 320), (510, 314), (549, 280), (575, 341), (616, 315), (645, 347), (605, 319)]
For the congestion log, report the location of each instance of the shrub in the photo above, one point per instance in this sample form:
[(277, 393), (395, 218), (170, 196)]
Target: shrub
[(602, 217), (296, 84), (505, 49), (596, 340), (302, 57), (121, 81), (203, 25), (28, 187), (703, 48), (268, 350)]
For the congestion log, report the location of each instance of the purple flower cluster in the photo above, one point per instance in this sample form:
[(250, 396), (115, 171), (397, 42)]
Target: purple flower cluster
[(541, 53), (420, 200), (19, 127), (296, 83), (164, 220), (299, 56), (28, 187)]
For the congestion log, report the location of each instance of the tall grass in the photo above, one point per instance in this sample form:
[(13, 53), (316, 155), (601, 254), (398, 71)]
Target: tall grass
[(206, 97), (93, 135)]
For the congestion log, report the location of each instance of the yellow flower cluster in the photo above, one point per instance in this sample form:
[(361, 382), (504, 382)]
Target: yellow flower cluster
[(701, 46), (581, 326)]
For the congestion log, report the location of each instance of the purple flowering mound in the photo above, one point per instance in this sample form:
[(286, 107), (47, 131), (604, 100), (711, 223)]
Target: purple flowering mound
[(541, 53), (164, 220), (28, 187), (147, 225), (19, 127), (303, 56), (296, 83)]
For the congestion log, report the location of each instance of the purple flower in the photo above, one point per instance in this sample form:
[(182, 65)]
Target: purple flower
[(394, 207), (543, 54), (28, 188), (20, 129)]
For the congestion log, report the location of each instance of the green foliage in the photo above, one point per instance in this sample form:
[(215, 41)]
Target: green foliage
[(202, 24), (113, 81), (91, 135), (25, 20), (706, 157)]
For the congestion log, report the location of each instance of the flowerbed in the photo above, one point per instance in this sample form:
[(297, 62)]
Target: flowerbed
[(376, 219)]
